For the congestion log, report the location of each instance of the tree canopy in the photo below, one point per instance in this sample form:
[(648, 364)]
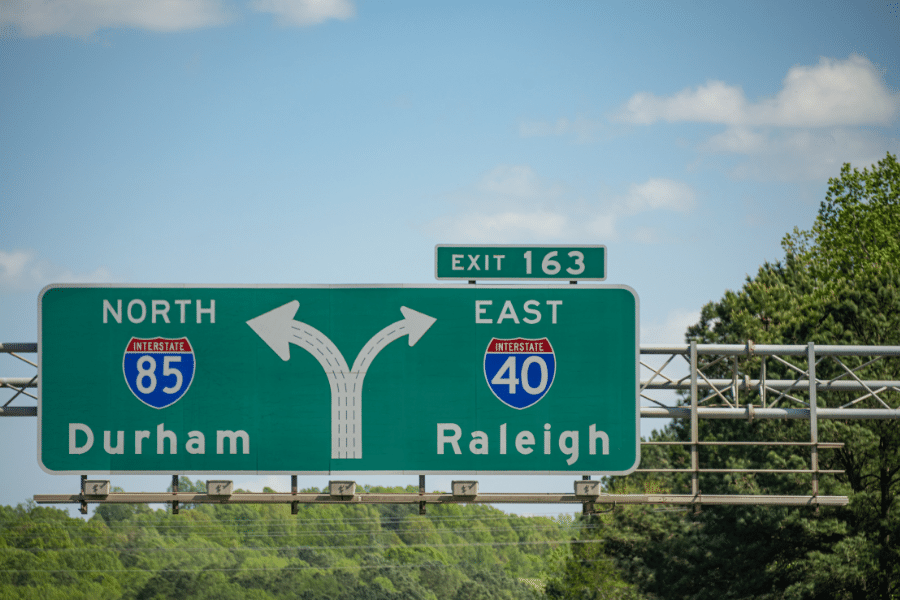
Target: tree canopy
[(838, 283), (263, 552)]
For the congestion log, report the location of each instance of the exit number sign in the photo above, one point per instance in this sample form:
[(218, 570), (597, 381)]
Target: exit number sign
[(572, 263)]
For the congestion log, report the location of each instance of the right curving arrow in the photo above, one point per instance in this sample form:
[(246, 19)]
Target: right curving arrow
[(278, 329)]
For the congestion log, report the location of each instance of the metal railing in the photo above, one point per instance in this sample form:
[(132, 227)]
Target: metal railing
[(741, 397)]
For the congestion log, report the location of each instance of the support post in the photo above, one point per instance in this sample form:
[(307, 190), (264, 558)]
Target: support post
[(421, 493), (695, 430), (83, 508), (174, 491), (813, 420), (587, 508), (734, 382), (762, 382), (295, 506)]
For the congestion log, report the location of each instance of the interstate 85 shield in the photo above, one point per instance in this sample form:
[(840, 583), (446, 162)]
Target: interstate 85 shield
[(519, 371), (158, 371)]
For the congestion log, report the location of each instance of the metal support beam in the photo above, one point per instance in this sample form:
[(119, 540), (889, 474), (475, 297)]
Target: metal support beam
[(83, 510), (674, 412), (684, 412), (742, 385), (18, 411), (438, 498), (422, 493), (710, 398), (751, 349), (813, 420), (18, 347), (587, 508), (695, 427), (750, 385)]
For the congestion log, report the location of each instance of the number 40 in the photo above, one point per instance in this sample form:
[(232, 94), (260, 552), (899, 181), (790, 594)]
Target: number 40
[(507, 375)]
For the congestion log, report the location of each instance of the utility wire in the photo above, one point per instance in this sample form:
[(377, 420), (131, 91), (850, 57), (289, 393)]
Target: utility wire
[(293, 520), (328, 547), (322, 532), (432, 564)]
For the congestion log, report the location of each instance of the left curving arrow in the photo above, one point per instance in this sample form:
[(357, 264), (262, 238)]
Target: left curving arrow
[(278, 329)]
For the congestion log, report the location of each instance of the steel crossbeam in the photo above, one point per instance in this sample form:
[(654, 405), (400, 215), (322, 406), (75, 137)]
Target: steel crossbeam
[(438, 498), (743, 396)]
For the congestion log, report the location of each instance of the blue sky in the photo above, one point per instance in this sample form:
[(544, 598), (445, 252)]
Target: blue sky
[(301, 141)]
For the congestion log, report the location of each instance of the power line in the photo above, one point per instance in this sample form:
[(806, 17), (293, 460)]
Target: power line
[(328, 547), (373, 534), (288, 526), (432, 564), (292, 520)]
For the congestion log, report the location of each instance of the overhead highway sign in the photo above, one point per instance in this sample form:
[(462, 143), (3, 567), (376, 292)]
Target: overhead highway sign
[(329, 379)]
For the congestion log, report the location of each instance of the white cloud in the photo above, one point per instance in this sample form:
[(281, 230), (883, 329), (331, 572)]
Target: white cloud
[(831, 93), (660, 194), (850, 92), (84, 17), (714, 102), (516, 181), (508, 203), (740, 140), (512, 204), (800, 154), (646, 235), (601, 226), (305, 12), (22, 270), (805, 132)]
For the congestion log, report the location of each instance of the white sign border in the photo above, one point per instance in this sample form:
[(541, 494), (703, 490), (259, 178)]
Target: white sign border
[(544, 278), (637, 383)]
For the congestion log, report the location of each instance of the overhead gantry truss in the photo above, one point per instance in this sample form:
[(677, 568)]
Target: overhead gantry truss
[(678, 382)]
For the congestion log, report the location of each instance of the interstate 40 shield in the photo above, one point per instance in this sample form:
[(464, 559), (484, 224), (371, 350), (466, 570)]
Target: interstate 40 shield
[(519, 371)]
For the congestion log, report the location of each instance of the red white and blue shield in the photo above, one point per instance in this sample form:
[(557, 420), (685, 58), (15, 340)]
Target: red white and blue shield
[(519, 371), (159, 371)]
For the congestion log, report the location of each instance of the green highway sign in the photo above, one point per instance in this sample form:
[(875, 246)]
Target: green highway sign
[(573, 263), (457, 378)]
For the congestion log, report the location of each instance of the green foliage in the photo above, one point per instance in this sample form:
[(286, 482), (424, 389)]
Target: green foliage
[(591, 573), (839, 283), (858, 223), (263, 552)]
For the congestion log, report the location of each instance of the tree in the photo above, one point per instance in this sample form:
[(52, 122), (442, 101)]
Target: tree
[(839, 283)]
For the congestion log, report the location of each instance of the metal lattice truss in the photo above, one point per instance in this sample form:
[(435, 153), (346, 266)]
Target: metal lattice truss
[(741, 397), (677, 382), (18, 387), (744, 397)]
